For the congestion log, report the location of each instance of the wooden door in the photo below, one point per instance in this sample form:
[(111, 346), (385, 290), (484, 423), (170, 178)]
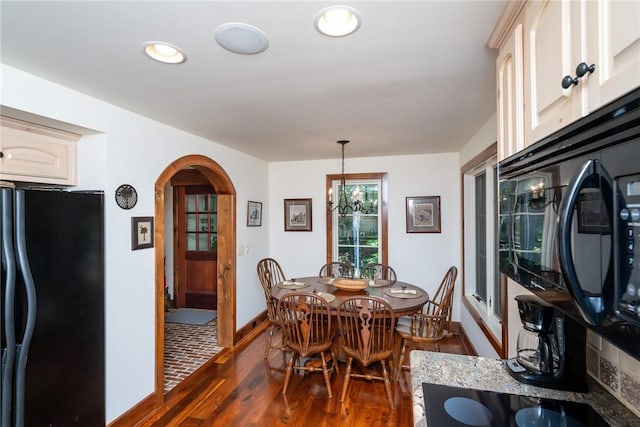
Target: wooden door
[(196, 219)]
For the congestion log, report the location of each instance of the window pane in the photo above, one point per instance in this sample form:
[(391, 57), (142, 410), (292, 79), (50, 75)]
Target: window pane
[(214, 242), (191, 241), (356, 236), (345, 231), (368, 256), (369, 230), (345, 254), (213, 203), (191, 203), (202, 203), (191, 222), (203, 220), (203, 242), (481, 236)]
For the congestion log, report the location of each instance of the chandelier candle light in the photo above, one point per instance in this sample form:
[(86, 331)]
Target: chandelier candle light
[(343, 206)]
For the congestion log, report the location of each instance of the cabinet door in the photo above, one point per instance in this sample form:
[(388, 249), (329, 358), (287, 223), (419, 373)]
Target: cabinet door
[(613, 31), (510, 101), (34, 153), (552, 44)]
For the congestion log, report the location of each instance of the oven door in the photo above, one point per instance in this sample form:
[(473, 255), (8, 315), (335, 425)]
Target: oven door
[(555, 234)]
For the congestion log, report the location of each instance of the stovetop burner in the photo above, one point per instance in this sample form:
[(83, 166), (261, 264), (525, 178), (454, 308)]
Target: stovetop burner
[(448, 406)]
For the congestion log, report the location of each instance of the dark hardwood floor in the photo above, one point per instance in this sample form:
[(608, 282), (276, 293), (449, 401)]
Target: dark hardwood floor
[(238, 388)]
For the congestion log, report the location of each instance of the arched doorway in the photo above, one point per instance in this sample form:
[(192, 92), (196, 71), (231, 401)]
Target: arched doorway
[(226, 267)]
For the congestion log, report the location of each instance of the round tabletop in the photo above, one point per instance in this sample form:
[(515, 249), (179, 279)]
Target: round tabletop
[(399, 295)]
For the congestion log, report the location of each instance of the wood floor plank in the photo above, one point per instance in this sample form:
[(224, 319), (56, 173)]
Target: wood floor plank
[(240, 389)]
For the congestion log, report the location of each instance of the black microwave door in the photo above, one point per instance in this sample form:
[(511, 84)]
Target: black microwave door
[(585, 241)]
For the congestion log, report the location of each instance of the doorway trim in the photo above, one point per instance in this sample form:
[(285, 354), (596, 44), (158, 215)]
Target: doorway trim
[(226, 280)]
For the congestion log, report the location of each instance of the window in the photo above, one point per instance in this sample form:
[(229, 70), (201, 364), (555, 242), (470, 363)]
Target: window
[(201, 212), (483, 286), (358, 238)]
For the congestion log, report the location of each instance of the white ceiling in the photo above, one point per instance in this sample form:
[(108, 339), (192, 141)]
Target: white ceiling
[(417, 77)]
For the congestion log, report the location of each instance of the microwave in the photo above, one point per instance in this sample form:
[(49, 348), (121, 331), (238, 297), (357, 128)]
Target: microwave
[(569, 220)]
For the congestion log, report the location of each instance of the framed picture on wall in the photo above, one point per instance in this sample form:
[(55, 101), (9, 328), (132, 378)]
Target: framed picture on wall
[(254, 214), (141, 232), (423, 214), (297, 215)]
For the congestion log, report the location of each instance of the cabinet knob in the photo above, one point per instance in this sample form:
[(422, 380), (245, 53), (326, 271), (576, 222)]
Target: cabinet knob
[(583, 69), (568, 81), (1, 154)]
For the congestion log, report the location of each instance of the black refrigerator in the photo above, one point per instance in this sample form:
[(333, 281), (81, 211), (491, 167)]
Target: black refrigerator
[(52, 308)]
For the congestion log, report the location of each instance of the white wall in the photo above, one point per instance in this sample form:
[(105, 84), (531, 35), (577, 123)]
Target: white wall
[(419, 258), (131, 149)]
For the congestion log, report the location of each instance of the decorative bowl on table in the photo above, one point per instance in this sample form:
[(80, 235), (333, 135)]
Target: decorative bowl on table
[(350, 284)]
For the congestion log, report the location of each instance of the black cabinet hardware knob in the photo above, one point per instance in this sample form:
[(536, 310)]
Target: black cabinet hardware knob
[(583, 69), (569, 81)]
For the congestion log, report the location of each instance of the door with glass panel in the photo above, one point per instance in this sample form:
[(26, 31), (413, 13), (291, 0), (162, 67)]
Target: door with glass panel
[(197, 226)]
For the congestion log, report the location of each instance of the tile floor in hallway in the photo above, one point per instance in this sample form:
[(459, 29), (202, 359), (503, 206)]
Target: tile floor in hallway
[(186, 348)]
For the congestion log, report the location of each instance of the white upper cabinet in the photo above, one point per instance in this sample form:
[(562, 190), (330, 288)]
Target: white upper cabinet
[(34, 153), (510, 97), (594, 46), (614, 41), (552, 45)]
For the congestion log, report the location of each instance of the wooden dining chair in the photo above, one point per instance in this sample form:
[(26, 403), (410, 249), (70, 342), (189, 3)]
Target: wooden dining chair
[(379, 271), (336, 269), (366, 336), (270, 274), (308, 331), (431, 324)]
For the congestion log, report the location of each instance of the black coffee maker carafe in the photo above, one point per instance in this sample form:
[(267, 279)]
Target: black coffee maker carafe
[(551, 347)]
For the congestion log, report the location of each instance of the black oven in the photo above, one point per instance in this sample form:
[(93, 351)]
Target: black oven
[(569, 220)]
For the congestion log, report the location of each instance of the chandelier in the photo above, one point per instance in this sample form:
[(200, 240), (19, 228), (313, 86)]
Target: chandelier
[(343, 206)]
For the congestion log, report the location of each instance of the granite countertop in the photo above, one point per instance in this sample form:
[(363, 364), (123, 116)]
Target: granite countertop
[(491, 374)]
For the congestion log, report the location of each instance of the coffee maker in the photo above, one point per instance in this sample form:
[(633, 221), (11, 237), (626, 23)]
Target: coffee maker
[(551, 347)]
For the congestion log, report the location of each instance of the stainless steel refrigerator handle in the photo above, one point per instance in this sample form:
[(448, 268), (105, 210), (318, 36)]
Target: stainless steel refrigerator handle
[(590, 306), (9, 265), (23, 348)]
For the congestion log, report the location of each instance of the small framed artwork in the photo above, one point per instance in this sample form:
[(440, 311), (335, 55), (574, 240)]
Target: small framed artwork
[(590, 214), (141, 232), (423, 214), (297, 215), (254, 214)]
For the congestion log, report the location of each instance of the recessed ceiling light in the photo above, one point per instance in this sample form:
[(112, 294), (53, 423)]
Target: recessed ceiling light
[(241, 38), (337, 21), (164, 52)]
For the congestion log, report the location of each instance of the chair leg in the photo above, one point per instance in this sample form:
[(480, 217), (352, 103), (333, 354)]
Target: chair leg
[(287, 376), (403, 348), (325, 373), (347, 377), (387, 383), (335, 362), (266, 350)]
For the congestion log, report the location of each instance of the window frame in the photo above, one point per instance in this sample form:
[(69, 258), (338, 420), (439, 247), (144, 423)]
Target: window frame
[(352, 179), (493, 327)]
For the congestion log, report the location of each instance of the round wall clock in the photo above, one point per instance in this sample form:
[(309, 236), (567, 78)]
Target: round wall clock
[(126, 196)]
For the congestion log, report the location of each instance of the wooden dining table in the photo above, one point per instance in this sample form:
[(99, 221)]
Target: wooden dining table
[(403, 303)]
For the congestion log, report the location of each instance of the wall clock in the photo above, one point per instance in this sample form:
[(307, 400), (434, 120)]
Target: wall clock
[(126, 196)]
